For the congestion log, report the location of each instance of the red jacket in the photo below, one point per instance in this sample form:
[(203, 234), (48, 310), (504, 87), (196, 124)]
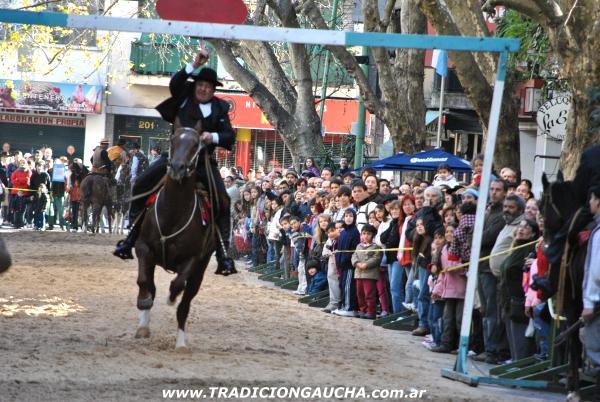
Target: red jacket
[(20, 179)]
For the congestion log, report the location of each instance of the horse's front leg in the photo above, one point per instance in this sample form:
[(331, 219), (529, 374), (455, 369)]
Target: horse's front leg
[(147, 289), (109, 213), (86, 217), (191, 289), (178, 284)]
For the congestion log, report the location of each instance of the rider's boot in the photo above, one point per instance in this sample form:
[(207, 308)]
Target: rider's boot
[(125, 246), (225, 264)]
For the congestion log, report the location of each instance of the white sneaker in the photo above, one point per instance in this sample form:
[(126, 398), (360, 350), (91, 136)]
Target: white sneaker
[(299, 293), (410, 306), (345, 313)]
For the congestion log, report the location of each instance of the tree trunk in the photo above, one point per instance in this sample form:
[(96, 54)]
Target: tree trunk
[(410, 78), (573, 27), (583, 72), (478, 90), (579, 133)]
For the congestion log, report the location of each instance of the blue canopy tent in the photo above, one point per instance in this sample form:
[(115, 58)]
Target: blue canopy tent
[(423, 161)]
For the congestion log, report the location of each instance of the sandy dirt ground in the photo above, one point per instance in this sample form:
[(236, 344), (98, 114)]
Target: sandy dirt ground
[(68, 318)]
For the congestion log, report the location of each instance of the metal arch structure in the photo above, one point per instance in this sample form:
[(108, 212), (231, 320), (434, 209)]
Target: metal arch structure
[(333, 38)]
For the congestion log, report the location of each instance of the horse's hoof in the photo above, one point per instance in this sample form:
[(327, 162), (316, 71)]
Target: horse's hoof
[(142, 332), (182, 349), (171, 302), (145, 304)]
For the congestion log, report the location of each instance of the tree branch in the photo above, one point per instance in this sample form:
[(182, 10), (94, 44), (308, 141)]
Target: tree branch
[(309, 9), (475, 84), (299, 61), (388, 10)]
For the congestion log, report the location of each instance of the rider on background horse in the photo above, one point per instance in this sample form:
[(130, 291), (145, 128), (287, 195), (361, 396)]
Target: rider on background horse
[(101, 163), (191, 103)]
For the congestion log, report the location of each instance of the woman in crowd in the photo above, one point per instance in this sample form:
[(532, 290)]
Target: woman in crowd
[(512, 296), (311, 166), (404, 257)]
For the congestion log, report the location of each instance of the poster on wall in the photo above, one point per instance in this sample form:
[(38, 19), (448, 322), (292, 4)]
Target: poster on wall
[(50, 96)]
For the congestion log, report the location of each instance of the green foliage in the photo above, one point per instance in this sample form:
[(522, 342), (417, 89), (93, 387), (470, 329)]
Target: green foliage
[(532, 57)]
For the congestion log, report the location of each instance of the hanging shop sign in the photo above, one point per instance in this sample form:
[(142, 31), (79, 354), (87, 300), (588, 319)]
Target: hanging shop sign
[(50, 96), (552, 117)]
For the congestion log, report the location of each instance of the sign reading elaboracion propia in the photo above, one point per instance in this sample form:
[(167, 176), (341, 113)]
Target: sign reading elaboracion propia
[(50, 96), (552, 117)]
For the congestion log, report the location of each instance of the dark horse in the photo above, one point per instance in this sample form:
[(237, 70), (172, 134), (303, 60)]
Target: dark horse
[(565, 216), (174, 234), (96, 191), (5, 260)]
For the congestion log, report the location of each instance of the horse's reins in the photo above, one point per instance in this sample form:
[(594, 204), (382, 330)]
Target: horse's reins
[(163, 238)]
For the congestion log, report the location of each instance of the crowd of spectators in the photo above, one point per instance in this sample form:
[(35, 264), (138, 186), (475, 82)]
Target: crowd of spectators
[(41, 191), (381, 249)]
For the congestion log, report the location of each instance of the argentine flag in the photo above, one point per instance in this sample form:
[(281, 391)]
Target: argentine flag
[(439, 61)]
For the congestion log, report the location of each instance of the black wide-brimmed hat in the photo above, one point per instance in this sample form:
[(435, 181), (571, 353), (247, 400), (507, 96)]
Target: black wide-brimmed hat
[(209, 75)]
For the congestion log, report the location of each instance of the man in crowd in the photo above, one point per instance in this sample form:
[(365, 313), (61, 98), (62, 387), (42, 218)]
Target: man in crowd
[(487, 283), (362, 203), (384, 187), (344, 169), (513, 209), (139, 162)]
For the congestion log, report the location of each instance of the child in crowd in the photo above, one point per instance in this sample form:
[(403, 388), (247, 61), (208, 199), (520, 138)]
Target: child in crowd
[(444, 177), (317, 279), (453, 288), (333, 235), (348, 240), (421, 257), (366, 262), (318, 241), (41, 203), (284, 245), (298, 244), (436, 308)]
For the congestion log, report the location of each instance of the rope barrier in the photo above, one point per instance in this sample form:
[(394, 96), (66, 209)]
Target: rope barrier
[(454, 268), (381, 250), (466, 264)]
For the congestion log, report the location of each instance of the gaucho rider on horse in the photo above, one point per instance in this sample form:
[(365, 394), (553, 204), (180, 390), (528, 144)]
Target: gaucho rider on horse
[(101, 163), (190, 103)]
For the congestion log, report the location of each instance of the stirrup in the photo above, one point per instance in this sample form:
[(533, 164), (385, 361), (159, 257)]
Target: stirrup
[(226, 267), (123, 250)]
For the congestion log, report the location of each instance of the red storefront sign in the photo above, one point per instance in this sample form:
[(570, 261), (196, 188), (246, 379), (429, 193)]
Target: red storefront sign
[(340, 114)]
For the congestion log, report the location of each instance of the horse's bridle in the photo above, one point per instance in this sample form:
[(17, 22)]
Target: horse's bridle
[(192, 166), (551, 202)]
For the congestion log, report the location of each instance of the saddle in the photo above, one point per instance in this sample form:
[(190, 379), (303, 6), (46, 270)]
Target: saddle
[(204, 205)]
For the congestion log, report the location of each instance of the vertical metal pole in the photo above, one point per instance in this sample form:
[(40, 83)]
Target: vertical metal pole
[(362, 114), (461, 359), (326, 67), (440, 118)]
